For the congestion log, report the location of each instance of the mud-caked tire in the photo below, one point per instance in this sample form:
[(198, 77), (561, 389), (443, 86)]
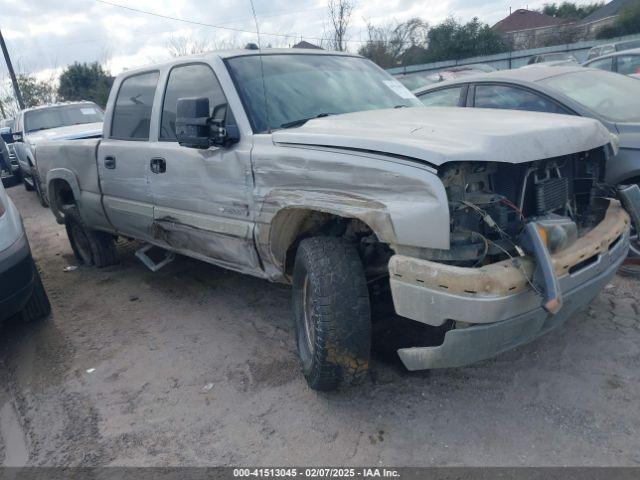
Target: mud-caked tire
[(38, 306), (90, 247), (332, 313)]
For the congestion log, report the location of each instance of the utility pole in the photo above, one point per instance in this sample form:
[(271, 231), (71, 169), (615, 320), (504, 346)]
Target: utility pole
[(16, 87)]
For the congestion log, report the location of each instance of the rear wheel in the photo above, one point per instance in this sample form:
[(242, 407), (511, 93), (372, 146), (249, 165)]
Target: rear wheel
[(38, 306), (332, 313), (90, 247)]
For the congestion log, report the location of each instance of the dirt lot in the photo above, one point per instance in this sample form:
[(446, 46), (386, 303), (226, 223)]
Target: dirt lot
[(195, 365)]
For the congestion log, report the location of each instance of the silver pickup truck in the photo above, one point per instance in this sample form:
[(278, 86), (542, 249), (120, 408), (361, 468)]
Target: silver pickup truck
[(322, 171), (57, 121)]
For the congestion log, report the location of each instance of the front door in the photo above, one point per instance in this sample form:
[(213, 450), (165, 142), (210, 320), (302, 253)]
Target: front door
[(123, 158), (202, 197)]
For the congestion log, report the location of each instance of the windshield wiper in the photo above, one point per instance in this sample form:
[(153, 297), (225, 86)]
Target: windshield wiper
[(302, 121)]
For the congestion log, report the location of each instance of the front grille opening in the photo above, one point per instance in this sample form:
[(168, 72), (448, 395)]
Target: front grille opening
[(583, 264)]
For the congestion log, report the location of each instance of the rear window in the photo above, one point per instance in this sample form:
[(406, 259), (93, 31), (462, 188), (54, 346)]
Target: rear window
[(132, 111)]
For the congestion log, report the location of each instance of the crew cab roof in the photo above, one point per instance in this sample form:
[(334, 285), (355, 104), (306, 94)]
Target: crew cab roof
[(238, 52)]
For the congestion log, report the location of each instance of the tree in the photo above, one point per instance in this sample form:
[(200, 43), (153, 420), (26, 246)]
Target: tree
[(36, 92), (340, 15), (627, 23), (570, 11), (451, 40), (391, 45), (82, 81)]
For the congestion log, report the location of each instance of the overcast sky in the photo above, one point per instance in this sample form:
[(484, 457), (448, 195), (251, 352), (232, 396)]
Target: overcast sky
[(43, 35)]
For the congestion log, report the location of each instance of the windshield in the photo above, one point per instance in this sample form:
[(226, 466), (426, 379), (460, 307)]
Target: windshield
[(306, 86), (63, 116), (613, 96)]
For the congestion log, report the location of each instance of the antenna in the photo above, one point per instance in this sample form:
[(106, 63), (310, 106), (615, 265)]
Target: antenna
[(264, 86)]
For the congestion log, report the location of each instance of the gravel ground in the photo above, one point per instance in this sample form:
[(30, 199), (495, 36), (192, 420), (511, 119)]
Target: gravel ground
[(195, 365)]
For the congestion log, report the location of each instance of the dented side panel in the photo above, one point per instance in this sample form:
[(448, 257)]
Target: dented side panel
[(403, 202)]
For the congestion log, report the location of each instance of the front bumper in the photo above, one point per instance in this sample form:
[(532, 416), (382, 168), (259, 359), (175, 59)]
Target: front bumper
[(497, 300), (16, 277)]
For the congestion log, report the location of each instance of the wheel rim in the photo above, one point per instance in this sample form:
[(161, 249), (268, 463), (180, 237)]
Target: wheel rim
[(82, 242), (307, 308)]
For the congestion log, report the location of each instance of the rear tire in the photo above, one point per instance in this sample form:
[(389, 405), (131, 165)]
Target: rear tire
[(38, 306), (332, 313), (90, 247)]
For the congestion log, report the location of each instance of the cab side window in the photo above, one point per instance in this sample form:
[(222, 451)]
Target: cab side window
[(132, 111), (446, 97), (513, 98), (604, 64), (189, 81)]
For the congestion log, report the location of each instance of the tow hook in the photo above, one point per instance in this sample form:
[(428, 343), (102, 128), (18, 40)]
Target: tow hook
[(534, 244)]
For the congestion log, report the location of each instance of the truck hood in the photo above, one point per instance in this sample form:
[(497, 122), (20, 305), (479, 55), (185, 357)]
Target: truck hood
[(71, 132), (440, 134)]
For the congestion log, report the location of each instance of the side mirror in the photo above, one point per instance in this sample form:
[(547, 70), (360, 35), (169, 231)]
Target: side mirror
[(6, 135), (17, 137), (196, 129), (192, 122)]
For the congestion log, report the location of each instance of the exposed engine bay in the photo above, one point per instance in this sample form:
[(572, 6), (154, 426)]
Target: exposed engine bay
[(491, 203)]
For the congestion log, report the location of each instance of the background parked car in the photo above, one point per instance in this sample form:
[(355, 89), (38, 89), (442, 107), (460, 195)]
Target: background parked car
[(62, 121), (553, 59), (422, 79), (21, 289), (607, 48), (626, 62), (613, 99)]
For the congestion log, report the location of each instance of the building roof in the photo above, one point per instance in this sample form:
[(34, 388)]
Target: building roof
[(611, 9), (523, 19), (305, 44)]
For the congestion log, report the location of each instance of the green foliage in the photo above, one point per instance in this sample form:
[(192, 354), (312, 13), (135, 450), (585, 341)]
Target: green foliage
[(82, 81), (413, 42), (570, 11), (627, 23), (35, 92), (453, 40)]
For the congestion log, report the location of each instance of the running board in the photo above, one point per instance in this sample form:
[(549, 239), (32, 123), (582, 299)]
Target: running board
[(151, 264)]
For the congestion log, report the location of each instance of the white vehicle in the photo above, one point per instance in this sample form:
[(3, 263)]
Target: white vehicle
[(322, 171), (61, 121), (21, 289)]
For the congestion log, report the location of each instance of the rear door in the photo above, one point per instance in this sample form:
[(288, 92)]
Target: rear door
[(202, 197), (123, 157)]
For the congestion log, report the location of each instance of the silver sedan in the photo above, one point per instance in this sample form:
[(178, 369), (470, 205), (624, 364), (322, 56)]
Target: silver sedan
[(608, 97)]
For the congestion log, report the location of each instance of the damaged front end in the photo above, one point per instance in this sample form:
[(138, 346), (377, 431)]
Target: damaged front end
[(530, 244)]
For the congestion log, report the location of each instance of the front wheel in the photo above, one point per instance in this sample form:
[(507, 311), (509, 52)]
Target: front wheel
[(332, 313), (26, 179), (38, 187)]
